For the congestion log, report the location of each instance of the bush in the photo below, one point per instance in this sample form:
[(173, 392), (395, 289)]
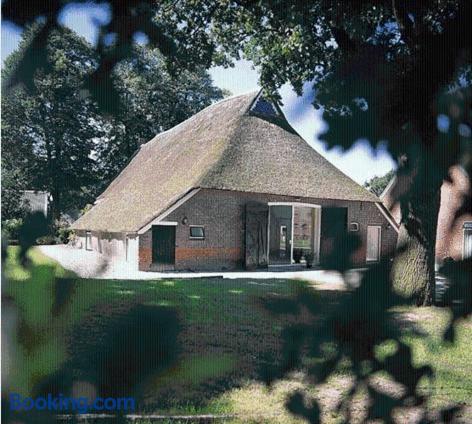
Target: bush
[(85, 209), (297, 255), (11, 228), (46, 240), (64, 234), (309, 259)]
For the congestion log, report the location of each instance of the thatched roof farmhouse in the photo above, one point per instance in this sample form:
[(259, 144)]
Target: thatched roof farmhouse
[(232, 186)]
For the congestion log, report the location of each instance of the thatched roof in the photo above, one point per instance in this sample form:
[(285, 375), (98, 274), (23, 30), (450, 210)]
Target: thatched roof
[(240, 143)]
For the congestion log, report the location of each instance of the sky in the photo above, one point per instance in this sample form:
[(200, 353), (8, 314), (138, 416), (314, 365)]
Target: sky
[(360, 163)]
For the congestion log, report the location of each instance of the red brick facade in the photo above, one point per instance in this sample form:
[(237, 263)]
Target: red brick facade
[(222, 213), (450, 232)]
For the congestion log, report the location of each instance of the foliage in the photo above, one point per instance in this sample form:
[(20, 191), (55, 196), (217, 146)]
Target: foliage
[(49, 135), (13, 204), (220, 312), (151, 101), (54, 137), (11, 228), (185, 43), (375, 69), (48, 239), (65, 234), (223, 313), (297, 255), (378, 184), (309, 256), (373, 64), (351, 338), (85, 209)]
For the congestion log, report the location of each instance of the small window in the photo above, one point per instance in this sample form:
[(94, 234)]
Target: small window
[(197, 232), (467, 243), (354, 226), (88, 241)]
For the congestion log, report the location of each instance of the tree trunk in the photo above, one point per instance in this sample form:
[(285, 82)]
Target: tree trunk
[(413, 270)]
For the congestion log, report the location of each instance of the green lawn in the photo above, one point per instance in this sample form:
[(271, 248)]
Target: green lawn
[(223, 337)]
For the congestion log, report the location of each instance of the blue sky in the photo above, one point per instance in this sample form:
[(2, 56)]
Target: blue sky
[(360, 162)]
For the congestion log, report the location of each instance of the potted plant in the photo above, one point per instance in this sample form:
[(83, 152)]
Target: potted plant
[(297, 255), (309, 259)]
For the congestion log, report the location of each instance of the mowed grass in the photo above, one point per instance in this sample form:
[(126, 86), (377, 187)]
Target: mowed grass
[(224, 336), (451, 361)]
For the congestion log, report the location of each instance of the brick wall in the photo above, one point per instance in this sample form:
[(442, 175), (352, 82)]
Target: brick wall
[(450, 233), (222, 213)]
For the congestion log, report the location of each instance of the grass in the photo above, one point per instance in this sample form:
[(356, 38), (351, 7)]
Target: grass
[(451, 362), (223, 338)]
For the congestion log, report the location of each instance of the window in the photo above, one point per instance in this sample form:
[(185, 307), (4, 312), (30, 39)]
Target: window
[(88, 241), (354, 226), (467, 243), (373, 243), (197, 232)]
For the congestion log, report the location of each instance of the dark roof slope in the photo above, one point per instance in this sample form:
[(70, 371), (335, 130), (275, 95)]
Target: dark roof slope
[(225, 146)]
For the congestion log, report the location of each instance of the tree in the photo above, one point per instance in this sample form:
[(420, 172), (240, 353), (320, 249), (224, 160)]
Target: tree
[(13, 205), (49, 135), (151, 101), (382, 71), (378, 184), (374, 64), (184, 41), (57, 139)]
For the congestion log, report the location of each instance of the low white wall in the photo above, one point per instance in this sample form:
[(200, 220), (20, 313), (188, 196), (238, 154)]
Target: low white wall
[(119, 249)]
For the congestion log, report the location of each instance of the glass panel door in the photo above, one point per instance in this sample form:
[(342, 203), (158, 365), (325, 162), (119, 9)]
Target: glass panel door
[(280, 234), (306, 227)]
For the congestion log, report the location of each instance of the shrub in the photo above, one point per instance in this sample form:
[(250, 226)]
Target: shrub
[(49, 239), (297, 255), (309, 259), (64, 234), (11, 228), (85, 209)]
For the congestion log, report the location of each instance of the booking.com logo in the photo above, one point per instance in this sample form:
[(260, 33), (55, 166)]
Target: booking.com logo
[(82, 405)]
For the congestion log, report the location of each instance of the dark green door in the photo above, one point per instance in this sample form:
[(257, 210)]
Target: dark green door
[(333, 229), (163, 244)]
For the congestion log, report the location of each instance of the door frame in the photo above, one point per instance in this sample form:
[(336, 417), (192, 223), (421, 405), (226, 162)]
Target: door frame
[(163, 224), (316, 234), (379, 242)]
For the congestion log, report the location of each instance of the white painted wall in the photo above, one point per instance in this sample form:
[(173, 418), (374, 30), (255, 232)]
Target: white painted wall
[(119, 249)]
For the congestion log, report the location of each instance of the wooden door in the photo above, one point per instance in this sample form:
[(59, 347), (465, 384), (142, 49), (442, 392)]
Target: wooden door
[(163, 244), (256, 235), (333, 227)]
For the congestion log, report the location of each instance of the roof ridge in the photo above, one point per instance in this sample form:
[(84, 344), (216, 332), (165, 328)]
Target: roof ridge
[(191, 118), (229, 144)]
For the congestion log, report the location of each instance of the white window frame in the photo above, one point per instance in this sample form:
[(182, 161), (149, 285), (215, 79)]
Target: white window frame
[(88, 244), (196, 226), (379, 244), (464, 229)]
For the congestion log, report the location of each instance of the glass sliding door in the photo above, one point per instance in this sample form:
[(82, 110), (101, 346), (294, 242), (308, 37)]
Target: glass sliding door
[(294, 233), (306, 231), (280, 235)]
